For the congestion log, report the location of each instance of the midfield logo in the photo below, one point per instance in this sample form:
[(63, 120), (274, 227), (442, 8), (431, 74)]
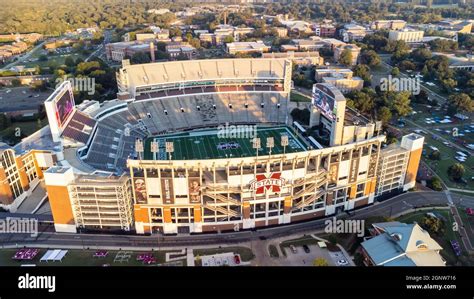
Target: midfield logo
[(262, 183)]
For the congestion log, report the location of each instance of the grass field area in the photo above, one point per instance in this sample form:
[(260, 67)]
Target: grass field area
[(296, 97), (447, 159), (273, 251), (444, 238), (246, 254), (204, 144), (81, 258)]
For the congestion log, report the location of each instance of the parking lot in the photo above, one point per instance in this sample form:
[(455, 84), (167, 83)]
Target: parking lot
[(21, 99), (301, 258)]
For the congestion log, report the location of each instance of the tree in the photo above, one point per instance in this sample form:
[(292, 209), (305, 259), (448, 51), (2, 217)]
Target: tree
[(16, 82), (363, 100), (395, 72), (420, 55), (229, 39), (363, 71), (346, 57), (462, 102), (400, 102), (435, 155), (140, 57), (456, 171), (69, 61), (370, 57), (436, 184), (320, 262), (384, 114), (432, 224), (5, 121)]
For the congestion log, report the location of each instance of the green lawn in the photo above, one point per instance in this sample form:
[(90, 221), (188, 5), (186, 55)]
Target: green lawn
[(296, 97), (80, 258), (246, 254), (203, 144), (273, 251), (447, 159)]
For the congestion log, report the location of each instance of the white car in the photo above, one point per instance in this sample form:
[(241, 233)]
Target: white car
[(342, 262)]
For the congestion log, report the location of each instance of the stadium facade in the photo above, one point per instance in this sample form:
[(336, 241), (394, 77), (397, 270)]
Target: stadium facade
[(153, 160)]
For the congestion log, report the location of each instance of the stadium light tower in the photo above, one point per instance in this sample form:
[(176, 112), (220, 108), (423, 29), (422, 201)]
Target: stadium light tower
[(284, 142), (256, 145), (139, 148), (154, 148), (169, 148), (270, 144)]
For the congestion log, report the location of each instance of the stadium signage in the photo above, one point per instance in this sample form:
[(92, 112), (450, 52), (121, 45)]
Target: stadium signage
[(262, 183)]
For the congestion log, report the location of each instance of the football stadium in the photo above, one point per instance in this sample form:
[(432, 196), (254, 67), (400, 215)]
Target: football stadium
[(204, 146)]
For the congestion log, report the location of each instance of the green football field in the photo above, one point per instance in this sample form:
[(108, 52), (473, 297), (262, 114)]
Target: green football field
[(204, 144)]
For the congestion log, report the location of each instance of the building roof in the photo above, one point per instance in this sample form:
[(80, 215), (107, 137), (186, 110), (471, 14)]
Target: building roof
[(400, 243)]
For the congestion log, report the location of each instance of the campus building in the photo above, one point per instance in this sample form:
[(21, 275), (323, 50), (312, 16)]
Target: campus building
[(406, 35)]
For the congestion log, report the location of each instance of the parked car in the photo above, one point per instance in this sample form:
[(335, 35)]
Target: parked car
[(293, 249), (306, 249), (237, 259), (342, 262), (456, 247), (470, 211)]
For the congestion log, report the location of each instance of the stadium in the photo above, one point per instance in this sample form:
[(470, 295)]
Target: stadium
[(210, 146)]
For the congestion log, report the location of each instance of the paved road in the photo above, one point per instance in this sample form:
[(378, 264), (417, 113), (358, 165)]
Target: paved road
[(390, 207)]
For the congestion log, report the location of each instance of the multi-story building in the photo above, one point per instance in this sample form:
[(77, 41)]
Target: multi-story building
[(20, 173), (353, 32), (118, 51), (299, 58), (325, 30), (93, 202), (355, 51), (388, 24), (176, 49), (247, 47), (281, 31), (406, 35), (399, 164)]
